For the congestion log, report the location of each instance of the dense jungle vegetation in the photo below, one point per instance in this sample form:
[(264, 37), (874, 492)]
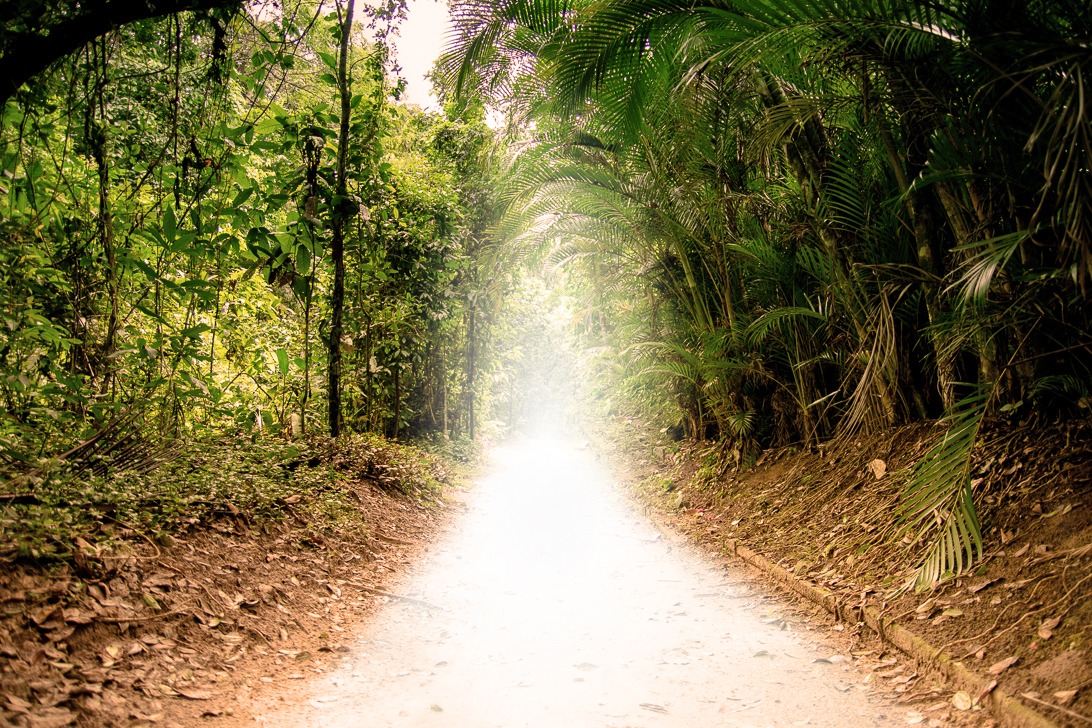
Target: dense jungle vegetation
[(776, 222), (225, 238), (808, 219), (223, 220)]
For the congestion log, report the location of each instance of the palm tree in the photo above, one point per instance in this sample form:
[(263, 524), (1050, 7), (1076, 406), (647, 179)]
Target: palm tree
[(825, 192)]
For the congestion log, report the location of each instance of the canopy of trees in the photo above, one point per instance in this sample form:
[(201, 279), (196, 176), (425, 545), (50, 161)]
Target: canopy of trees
[(223, 221), (789, 221), (807, 220)]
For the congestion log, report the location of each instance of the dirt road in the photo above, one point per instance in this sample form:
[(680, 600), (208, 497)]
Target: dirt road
[(552, 603)]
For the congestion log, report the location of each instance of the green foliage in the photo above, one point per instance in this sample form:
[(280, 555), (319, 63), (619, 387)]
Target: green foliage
[(168, 234), (939, 499), (219, 484), (796, 220)]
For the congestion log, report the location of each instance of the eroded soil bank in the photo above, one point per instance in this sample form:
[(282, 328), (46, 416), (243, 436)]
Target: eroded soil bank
[(1022, 618), (173, 630)]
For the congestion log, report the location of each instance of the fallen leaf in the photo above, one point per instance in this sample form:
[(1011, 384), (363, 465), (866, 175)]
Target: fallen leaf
[(17, 704), (962, 700), (48, 618), (1046, 629), (952, 612), (1022, 550), (999, 667), (878, 468), (1059, 511), (1065, 697), (984, 692), (196, 694), (146, 717), (51, 718), (979, 587), (75, 616), (926, 606)]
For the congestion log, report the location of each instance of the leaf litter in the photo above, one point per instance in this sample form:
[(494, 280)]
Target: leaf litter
[(135, 630), (825, 516)]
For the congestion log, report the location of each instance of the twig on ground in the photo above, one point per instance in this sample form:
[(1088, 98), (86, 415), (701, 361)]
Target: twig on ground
[(388, 539), (1067, 711), (953, 643), (140, 533), (1036, 611), (381, 593), (146, 618)]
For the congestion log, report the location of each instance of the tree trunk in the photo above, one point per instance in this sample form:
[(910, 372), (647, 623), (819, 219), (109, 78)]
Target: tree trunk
[(97, 133), (397, 396), (337, 242), (471, 351)]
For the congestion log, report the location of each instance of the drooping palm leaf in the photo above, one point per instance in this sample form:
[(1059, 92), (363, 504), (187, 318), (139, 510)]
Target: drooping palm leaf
[(937, 506)]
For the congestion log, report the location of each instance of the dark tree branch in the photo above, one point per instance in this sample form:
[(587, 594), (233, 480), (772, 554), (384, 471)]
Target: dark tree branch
[(28, 53)]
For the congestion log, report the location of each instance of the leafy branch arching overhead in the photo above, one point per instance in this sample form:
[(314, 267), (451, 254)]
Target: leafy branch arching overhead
[(811, 219)]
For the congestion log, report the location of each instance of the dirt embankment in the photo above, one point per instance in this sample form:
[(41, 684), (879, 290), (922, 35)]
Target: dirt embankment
[(1022, 617), (133, 630)]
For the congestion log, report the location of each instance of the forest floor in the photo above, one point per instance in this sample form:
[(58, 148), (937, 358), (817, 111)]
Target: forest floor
[(1022, 618), (133, 630), (241, 593)]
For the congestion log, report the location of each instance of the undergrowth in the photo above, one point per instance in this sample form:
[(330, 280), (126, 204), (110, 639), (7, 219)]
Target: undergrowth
[(59, 515)]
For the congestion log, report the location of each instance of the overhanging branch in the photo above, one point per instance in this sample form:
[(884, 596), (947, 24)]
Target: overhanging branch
[(28, 53)]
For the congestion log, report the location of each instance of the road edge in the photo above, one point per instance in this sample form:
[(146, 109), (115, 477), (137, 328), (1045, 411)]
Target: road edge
[(1006, 708)]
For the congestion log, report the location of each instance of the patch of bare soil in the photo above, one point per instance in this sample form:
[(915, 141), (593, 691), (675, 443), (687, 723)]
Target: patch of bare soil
[(169, 633), (1023, 617)]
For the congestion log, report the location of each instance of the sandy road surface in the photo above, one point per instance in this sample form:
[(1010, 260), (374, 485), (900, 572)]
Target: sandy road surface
[(551, 603)]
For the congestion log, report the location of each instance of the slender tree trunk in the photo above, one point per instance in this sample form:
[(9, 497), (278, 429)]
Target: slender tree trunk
[(443, 389), (305, 395), (397, 396), (106, 221), (337, 243), (471, 352)]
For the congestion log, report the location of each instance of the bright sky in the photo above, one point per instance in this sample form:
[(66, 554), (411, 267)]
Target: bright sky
[(420, 42)]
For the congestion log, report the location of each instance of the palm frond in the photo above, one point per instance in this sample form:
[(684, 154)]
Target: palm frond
[(986, 259), (774, 319), (938, 504)]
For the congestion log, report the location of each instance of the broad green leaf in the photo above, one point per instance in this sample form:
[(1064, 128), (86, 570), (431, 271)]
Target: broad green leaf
[(170, 225)]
